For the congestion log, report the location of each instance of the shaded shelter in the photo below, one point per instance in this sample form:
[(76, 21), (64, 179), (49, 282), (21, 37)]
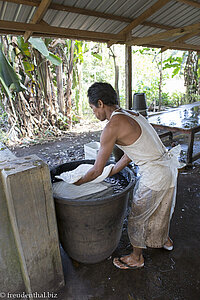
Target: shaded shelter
[(165, 24)]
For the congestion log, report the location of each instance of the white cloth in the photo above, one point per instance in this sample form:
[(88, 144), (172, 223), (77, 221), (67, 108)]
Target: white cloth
[(155, 192), (63, 189), (157, 165), (69, 190), (76, 174)]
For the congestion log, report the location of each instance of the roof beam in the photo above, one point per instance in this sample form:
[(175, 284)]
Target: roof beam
[(191, 3), (182, 39), (37, 17), (164, 35), (54, 31), (87, 12), (146, 14), (173, 45)]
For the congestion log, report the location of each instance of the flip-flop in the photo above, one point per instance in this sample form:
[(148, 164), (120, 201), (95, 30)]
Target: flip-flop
[(126, 265), (169, 248)]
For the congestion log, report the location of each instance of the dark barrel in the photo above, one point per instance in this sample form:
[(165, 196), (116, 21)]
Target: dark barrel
[(90, 229), (139, 103)]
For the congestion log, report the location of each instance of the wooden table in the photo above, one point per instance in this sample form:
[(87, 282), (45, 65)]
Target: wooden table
[(184, 119)]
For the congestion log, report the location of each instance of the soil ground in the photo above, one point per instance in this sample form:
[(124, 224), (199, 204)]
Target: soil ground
[(167, 275)]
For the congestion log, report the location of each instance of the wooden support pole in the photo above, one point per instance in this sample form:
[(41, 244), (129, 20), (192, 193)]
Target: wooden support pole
[(30, 255), (128, 76)]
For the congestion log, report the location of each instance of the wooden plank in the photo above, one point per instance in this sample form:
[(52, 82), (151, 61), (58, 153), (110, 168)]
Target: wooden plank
[(146, 14), (163, 35), (10, 276), (196, 156), (128, 76), (28, 191), (186, 37), (190, 147), (25, 2), (181, 39), (173, 45), (52, 30), (87, 12), (82, 11), (37, 17)]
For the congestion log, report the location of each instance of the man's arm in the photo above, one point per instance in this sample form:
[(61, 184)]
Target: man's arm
[(107, 142), (121, 164)]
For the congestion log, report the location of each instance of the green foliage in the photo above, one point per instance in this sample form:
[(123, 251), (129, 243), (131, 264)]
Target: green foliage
[(8, 76), (28, 66), (40, 45), (98, 56), (151, 91), (24, 47), (146, 51), (175, 62), (177, 98), (54, 59)]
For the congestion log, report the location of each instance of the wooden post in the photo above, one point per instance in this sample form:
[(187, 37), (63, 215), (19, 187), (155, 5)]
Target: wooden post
[(30, 253), (10, 275), (128, 79)]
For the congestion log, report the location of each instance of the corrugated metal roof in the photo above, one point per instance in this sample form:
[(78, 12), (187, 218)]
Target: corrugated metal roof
[(106, 20)]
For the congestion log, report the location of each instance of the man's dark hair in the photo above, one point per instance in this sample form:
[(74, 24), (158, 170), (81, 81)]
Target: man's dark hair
[(102, 91)]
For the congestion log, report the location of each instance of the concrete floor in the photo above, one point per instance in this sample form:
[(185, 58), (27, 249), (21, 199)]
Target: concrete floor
[(166, 276)]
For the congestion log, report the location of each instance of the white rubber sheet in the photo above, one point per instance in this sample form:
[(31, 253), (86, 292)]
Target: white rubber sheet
[(76, 174), (63, 189), (66, 188)]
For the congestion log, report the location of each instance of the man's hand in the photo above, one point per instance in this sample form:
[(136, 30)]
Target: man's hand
[(78, 182), (121, 164)]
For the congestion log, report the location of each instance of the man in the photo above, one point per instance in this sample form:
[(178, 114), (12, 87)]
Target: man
[(155, 191)]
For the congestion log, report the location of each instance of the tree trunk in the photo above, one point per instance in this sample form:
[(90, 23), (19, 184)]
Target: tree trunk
[(160, 84), (69, 85), (116, 73), (60, 94), (198, 71), (80, 101)]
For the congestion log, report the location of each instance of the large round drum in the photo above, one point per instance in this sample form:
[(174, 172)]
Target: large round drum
[(90, 229)]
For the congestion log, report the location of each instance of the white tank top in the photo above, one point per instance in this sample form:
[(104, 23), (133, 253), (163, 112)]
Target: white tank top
[(157, 165)]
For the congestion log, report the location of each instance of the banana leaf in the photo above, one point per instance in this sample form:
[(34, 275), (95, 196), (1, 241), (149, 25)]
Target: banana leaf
[(23, 46), (8, 75), (54, 59), (39, 44), (6, 89)]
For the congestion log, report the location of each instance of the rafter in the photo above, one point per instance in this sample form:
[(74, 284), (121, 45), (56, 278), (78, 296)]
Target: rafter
[(87, 12), (191, 3), (54, 31), (37, 17), (182, 39), (146, 14), (173, 45), (164, 35)]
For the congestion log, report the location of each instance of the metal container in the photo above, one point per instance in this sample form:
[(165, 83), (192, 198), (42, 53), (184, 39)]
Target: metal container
[(139, 103), (90, 229)]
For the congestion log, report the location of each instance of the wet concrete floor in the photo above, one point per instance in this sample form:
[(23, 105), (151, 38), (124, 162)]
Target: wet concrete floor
[(167, 275), (173, 275)]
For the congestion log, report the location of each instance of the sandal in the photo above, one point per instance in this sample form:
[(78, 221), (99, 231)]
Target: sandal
[(169, 248), (117, 261)]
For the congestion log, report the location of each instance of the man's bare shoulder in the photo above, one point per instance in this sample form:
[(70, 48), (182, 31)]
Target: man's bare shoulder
[(121, 118)]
